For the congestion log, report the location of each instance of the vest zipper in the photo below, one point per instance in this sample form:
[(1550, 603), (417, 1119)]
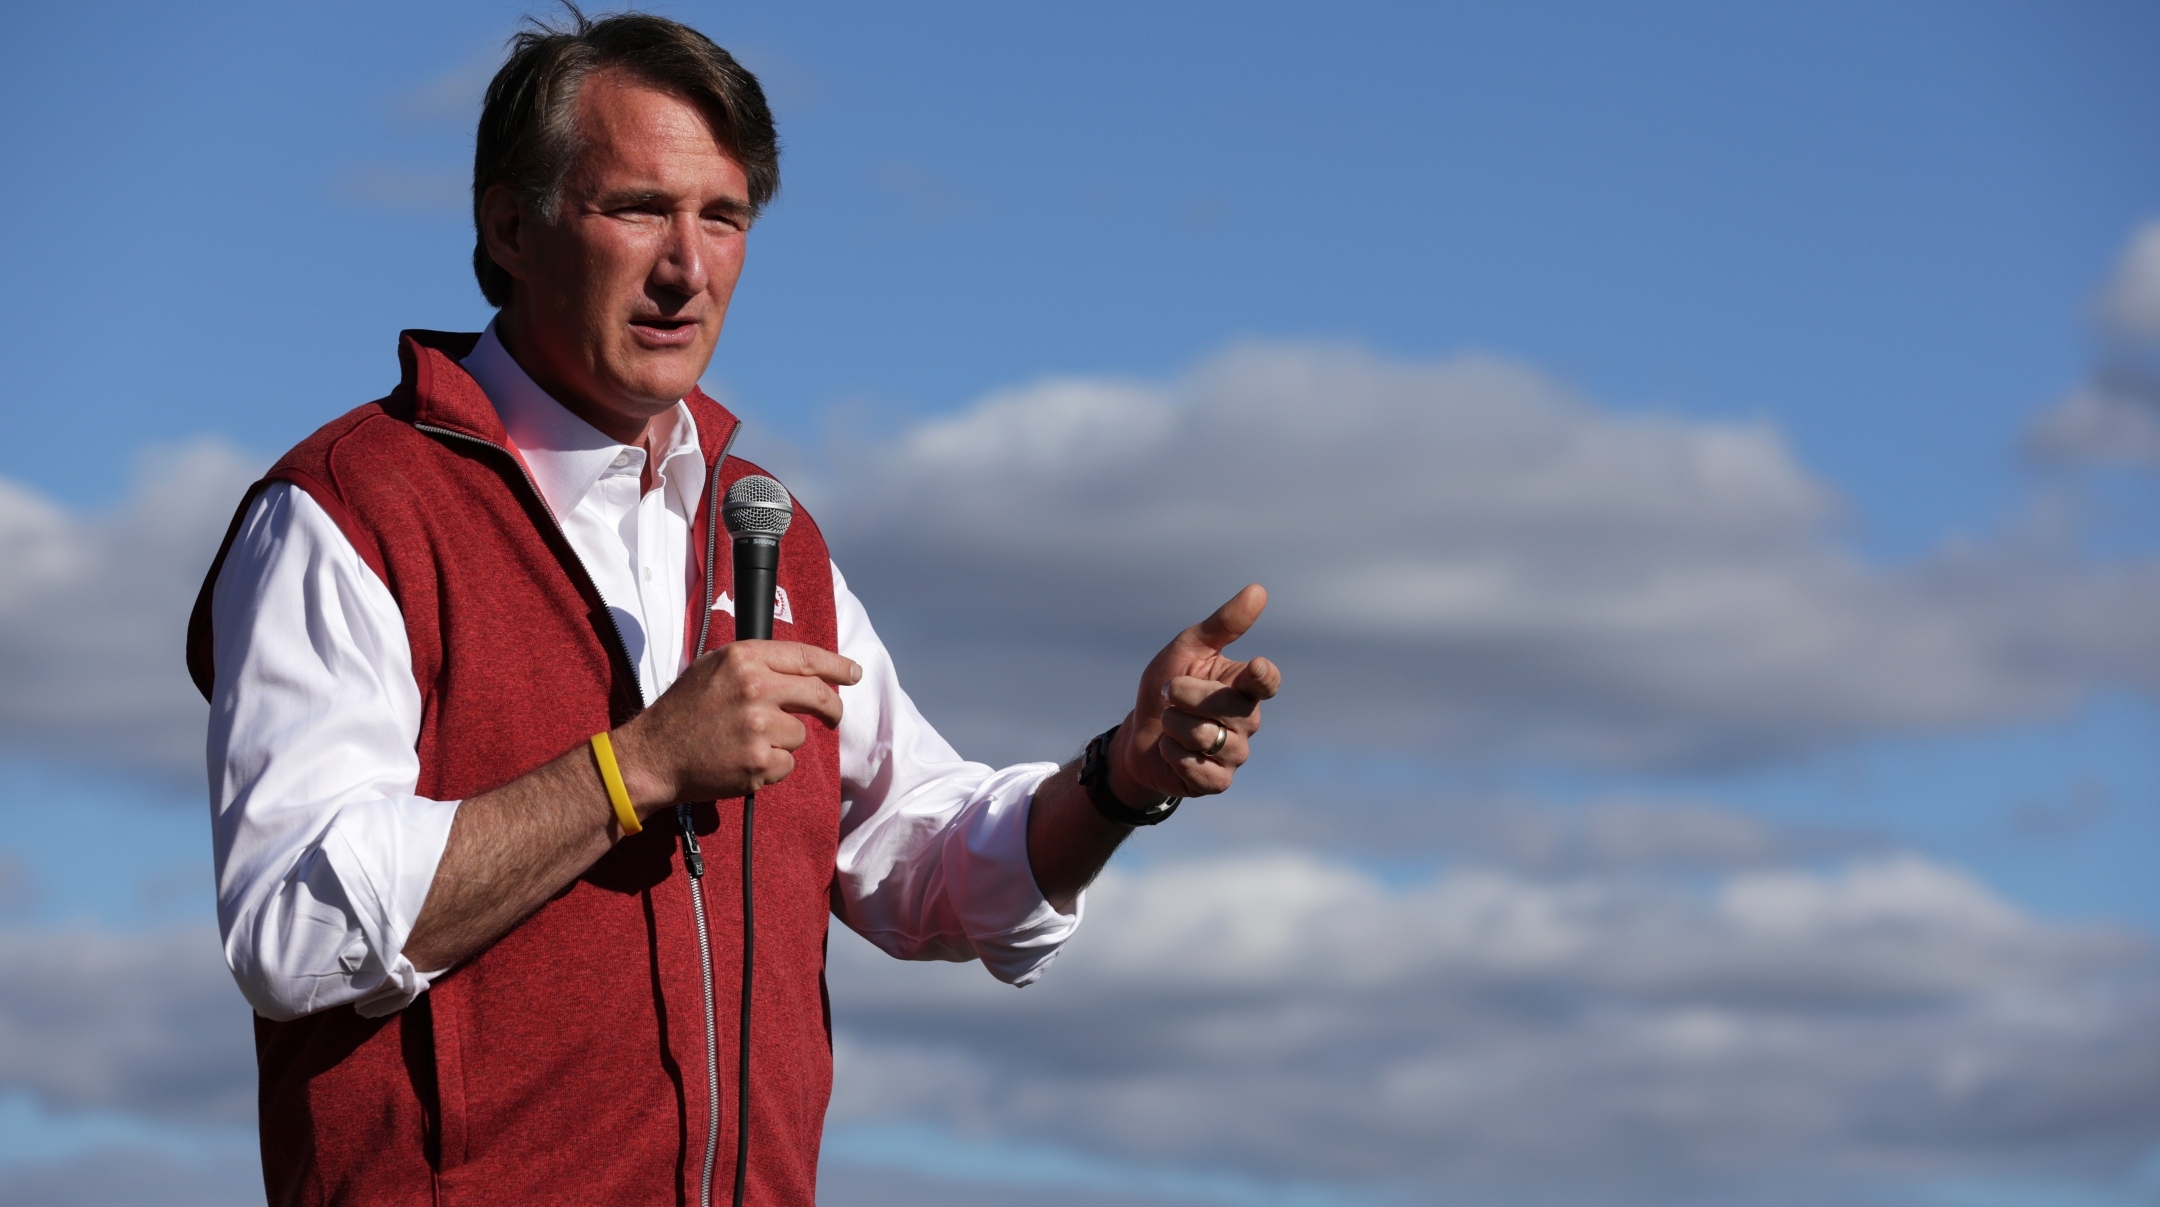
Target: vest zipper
[(693, 858), (694, 863)]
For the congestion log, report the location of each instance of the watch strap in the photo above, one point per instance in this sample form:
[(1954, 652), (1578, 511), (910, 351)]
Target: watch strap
[(1095, 779)]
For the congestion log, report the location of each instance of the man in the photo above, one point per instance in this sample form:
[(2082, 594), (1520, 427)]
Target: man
[(482, 973)]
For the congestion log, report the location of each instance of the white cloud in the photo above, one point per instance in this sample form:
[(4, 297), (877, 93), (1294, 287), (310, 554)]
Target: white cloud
[(2129, 307), (1465, 558), (841, 1184), (132, 1175), (1617, 834), (2114, 416), (1493, 1037), (93, 613), (145, 1024)]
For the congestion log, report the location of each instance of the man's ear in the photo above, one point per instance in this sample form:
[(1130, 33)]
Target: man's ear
[(502, 229)]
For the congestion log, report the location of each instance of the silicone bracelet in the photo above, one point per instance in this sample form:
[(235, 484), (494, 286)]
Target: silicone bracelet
[(604, 754)]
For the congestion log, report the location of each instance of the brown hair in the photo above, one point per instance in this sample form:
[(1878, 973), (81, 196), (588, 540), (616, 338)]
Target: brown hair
[(528, 124)]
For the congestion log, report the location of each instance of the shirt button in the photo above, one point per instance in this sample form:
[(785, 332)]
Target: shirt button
[(648, 574), (621, 460)]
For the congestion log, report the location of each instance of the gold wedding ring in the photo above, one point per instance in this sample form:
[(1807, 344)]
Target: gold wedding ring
[(1222, 737)]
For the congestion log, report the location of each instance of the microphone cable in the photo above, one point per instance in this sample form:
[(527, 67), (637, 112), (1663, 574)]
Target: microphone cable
[(757, 513), (742, 1041)]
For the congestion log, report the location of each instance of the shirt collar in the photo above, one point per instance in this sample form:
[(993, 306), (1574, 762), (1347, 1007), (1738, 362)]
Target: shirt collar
[(566, 454)]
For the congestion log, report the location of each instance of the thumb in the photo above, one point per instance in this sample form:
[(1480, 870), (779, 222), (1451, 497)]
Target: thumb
[(1233, 619)]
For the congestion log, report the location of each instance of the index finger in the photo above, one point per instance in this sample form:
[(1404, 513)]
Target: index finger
[(796, 658), (1260, 679), (1208, 699)]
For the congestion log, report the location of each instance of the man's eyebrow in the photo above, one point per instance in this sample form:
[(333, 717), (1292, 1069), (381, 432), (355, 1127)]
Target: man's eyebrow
[(734, 207), (628, 197)]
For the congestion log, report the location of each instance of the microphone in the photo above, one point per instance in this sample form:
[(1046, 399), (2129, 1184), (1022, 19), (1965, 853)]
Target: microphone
[(757, 512)]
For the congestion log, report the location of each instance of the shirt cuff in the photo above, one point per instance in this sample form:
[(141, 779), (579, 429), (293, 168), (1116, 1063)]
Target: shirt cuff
[(1014, 930), (383, 854)]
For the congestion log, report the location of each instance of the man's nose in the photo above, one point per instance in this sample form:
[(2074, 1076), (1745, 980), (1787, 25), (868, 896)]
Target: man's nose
[(682, 266)]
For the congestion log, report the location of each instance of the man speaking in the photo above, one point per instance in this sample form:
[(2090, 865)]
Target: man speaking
[(479, 737)]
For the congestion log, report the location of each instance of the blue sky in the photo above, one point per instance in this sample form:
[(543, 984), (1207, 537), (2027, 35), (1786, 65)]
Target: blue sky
[(1878, 226), (1861, 243)]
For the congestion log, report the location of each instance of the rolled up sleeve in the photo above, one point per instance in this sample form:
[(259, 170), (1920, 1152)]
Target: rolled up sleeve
[(933, 861), (324, 852)]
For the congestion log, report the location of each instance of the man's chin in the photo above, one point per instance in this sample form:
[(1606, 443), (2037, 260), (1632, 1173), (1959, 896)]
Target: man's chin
[(662, 377)]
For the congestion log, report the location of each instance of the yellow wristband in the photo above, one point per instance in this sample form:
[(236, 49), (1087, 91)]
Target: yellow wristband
[(604, 754)]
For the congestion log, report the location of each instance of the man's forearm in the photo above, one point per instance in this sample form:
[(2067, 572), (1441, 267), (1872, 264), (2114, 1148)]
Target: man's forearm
[(509, 851), (1068, 841), (725, 727)]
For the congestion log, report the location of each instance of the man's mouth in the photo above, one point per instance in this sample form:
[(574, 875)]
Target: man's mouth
[(664, 332)]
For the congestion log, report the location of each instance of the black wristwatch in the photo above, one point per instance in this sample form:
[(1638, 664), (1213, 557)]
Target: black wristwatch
[(1095, 778)]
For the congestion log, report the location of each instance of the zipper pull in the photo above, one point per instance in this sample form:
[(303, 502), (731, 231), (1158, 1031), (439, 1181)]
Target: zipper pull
[(693, 859)]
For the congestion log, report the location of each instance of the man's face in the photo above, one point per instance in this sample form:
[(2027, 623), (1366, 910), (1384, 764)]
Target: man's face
[(620, 298)]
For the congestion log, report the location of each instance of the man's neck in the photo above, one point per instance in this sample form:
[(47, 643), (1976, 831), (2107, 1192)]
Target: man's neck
[(638, 431), (641, 432)]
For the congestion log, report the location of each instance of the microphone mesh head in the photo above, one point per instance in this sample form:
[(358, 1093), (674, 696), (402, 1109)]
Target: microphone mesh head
[(757, 506)]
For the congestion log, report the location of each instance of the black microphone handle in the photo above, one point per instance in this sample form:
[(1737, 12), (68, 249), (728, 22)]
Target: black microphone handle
[(757, 570)]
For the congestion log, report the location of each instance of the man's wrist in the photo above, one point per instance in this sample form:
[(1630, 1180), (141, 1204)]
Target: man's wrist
[(649, 791), (1116, 795), (1132, 793), (1118, 775)]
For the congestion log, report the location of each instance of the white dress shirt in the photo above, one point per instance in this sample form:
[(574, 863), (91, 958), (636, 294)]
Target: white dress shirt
[(324, 852)]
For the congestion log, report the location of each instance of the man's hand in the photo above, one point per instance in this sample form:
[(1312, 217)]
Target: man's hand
[(728, 726), (731, 723), (1187, 736), (1190, 729)]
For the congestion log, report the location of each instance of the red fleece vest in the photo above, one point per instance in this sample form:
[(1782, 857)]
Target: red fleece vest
[(565, 1064)]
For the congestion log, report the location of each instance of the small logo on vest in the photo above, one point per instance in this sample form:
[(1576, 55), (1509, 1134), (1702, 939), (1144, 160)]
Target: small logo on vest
[(780, 610)]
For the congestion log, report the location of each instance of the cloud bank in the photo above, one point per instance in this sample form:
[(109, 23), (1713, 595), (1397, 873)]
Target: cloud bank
[(1466, 558), (1487, 1036), (145, 1024), (93, 614)]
